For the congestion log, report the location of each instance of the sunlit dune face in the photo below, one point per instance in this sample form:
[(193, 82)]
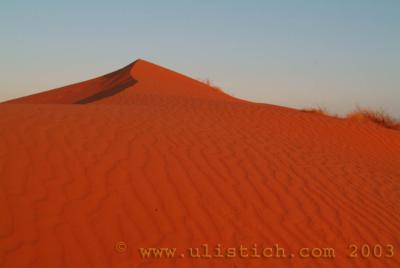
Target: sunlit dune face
[(112, 171)]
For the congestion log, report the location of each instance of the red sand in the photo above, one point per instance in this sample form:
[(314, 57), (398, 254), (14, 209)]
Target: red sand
[(156, 159)]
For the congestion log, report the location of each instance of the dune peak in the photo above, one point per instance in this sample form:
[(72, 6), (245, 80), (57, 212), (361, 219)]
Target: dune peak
[(124, 86)]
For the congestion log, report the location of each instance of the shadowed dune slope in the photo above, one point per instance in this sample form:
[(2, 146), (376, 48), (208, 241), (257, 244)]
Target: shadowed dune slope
[(156, 159), (123, 86), (79, 92)]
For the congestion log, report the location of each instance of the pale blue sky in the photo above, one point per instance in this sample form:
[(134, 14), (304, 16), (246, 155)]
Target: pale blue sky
[(336, 54)]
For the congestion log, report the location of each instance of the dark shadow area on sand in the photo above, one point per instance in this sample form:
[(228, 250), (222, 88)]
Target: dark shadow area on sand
[(107, 93)]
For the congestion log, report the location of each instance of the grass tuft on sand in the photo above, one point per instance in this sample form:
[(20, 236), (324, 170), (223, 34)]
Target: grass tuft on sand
[(378, 117)]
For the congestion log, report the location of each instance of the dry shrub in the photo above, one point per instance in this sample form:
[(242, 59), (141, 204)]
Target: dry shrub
[(316, 110), (378, 117), (210, 84)]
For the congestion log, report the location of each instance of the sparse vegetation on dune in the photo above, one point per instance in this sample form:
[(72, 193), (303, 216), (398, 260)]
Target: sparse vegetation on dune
[(320, 111), (211, 84), (379, 117), (315, 110)]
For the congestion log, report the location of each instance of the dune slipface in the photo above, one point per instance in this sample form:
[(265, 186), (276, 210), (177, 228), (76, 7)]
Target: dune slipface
[(94, 173)]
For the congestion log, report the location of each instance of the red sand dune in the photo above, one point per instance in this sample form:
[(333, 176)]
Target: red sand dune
[(152, 158)]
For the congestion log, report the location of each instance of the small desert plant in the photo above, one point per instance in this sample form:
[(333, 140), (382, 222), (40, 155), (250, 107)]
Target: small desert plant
[(315, 110), (379, 117), (210, 84)]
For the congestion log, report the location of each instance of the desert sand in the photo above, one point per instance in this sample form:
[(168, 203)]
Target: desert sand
[(152, 158)]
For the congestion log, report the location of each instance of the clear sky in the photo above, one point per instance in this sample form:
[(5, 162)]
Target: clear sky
[(336, 54)]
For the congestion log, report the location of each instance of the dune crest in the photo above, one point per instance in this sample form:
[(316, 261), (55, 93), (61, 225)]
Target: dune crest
[(122, 86)]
